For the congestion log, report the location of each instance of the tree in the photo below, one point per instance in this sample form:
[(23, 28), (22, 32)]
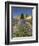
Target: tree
[(22, 16)]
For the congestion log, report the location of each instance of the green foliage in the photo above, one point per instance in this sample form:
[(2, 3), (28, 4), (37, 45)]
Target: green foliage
[(22, 16), (22, 31)]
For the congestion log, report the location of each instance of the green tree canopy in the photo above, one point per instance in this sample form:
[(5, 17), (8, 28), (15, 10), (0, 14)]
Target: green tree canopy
[(22, 16)]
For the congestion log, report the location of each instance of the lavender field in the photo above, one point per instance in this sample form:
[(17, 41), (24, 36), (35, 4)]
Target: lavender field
[(21, 22), (22, 27)]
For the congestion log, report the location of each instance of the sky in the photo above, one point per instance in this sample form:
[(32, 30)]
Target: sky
[(17, 11)]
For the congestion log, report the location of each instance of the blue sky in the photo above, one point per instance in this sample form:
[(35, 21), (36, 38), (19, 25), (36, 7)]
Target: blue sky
[(16, 11)]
